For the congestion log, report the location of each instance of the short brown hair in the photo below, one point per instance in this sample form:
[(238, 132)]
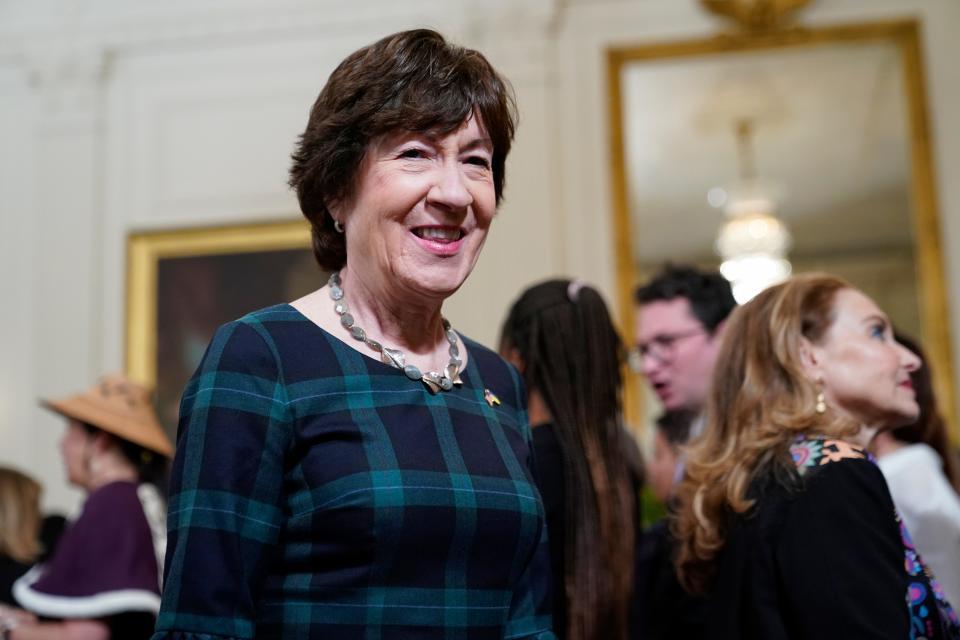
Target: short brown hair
[(409, 81)]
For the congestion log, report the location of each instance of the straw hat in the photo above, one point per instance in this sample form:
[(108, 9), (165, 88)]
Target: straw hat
[(119, 407)]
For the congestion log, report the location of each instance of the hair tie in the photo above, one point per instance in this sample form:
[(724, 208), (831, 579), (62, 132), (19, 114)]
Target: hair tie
[(573, 289)]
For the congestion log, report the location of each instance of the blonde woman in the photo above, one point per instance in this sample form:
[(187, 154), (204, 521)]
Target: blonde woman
[(19, 528), (784, 520)]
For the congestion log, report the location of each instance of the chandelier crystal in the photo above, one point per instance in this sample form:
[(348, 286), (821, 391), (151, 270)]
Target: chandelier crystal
[(753, 242)]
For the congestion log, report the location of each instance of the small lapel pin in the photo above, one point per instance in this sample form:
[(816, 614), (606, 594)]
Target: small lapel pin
[(490, 397)]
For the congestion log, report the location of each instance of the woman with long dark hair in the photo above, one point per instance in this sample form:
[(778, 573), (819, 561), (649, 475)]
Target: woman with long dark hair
[(559, 334), (921, 470)]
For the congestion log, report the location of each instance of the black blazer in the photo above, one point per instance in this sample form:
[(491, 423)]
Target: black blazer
[(822, 561)]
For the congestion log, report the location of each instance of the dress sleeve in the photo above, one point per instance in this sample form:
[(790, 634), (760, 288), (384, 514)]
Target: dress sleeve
[(530, 606), (225, 508), (842, 557)]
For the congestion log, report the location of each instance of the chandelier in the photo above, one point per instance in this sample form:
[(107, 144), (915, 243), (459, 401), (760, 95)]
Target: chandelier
[(753, 242)]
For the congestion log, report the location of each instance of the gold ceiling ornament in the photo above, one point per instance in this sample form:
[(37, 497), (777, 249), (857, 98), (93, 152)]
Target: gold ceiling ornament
[(755, 15)]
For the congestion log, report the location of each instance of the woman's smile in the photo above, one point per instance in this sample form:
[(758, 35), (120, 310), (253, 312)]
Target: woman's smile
[(442, 240), (420, 212)]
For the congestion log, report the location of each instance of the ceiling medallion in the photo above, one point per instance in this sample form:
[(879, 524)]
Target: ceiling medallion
[(755, 15)]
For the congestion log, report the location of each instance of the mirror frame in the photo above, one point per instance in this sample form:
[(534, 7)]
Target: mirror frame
[(931, 285)]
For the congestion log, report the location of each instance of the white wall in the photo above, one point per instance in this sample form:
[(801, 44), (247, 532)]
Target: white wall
[(120, 115)]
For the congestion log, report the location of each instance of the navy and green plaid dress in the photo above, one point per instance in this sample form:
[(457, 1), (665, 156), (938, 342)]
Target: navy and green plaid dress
[(318, 493)]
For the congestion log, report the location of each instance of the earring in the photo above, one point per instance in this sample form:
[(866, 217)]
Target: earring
[(821, 404), (337, 226)]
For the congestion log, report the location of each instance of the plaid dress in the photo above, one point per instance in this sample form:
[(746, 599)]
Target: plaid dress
[(318, 493)]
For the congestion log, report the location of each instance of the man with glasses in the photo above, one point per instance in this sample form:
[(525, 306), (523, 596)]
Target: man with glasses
[(680, 319)]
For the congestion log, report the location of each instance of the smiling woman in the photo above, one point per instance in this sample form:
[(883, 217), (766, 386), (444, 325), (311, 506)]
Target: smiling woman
[(348, 465), (420, 213)]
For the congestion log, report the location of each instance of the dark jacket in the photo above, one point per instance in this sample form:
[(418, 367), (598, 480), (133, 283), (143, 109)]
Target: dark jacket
[(824, 560)]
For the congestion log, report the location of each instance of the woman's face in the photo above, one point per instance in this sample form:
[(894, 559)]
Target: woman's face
[(420, 211), (74, 448), (865, 372)]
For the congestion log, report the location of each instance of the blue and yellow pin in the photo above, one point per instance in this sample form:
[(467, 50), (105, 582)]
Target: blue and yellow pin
[(490, 397)]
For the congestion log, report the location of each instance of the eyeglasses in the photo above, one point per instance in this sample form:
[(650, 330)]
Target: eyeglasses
[(660, 347)]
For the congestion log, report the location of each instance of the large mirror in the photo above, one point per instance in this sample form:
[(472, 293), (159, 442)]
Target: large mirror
[(801, 149)]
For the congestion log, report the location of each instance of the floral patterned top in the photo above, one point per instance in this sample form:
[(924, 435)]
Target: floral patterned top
[(931, 616), (821, 556)]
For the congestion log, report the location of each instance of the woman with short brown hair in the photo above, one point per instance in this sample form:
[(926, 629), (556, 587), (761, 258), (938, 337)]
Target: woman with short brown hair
[(348, 465), (410, 81)]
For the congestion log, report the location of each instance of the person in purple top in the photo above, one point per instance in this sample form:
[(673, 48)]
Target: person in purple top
[(103, 581)]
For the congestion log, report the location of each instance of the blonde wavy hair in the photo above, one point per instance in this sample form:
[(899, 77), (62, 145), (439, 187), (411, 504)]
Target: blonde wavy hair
[(759, 402), (19, 516)]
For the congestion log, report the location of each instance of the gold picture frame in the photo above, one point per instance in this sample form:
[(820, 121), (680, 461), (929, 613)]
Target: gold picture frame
[(210, 263), (905, 35)]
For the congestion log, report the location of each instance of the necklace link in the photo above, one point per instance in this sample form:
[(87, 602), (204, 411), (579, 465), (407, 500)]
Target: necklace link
[(435, 381)]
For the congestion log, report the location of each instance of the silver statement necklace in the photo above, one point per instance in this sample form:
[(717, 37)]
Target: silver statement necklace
[(434, 380)]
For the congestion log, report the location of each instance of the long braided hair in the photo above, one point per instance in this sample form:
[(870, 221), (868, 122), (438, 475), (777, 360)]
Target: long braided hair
[(571, 354)]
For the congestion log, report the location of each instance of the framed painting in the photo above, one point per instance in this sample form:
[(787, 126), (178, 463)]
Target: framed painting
[(182, 285)]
